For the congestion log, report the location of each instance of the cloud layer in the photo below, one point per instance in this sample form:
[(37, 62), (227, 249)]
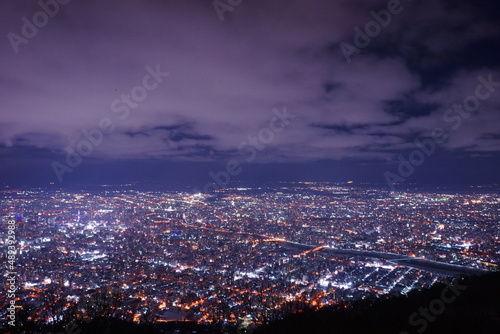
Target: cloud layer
[(225, 78)]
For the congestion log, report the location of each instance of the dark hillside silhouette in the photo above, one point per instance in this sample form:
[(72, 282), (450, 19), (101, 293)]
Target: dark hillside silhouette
[(466, 305)]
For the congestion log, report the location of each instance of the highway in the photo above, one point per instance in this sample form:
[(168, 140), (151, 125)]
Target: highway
[(402, 260)]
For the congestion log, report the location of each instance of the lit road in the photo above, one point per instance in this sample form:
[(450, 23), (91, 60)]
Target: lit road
[(402, 260)]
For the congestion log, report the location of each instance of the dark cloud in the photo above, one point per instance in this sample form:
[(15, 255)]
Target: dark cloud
[(225, 78), (409, 108)]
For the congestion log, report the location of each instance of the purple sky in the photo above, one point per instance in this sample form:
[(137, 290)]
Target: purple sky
[(226, 77)]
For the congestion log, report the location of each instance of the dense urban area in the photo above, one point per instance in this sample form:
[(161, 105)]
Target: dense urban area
[(238, 255)]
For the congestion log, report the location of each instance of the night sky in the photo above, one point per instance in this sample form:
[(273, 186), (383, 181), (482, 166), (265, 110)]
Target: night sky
[(193, 92)]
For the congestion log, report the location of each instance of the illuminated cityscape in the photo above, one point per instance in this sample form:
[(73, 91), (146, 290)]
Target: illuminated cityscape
[(250, 167), (239, 253)]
